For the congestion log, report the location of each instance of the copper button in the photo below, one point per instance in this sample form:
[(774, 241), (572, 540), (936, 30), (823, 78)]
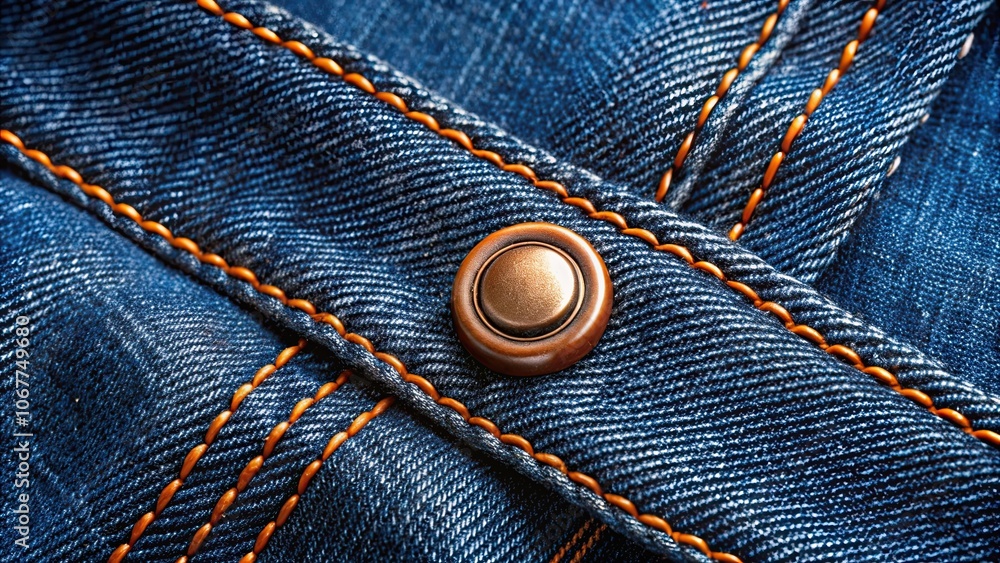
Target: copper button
[(531, 299), (528, 290)]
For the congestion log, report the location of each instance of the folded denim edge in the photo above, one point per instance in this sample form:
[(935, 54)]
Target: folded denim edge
[(740, 265), (669, 229), (366, 364)]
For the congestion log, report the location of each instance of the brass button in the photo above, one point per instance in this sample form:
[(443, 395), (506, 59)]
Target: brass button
[(528, 290), (531, 299)]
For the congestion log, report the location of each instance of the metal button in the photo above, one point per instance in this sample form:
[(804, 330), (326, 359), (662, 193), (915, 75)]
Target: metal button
[(528, 290), (531, 299)]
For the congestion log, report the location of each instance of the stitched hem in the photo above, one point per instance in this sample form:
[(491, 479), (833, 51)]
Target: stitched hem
[(331, 67), (308, 473), (245, 275), (808, 333), (362, 83), (746, 55), (198, 451), (799, 123)]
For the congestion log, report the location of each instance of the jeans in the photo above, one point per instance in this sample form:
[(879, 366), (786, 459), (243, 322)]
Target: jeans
[(229, 237)]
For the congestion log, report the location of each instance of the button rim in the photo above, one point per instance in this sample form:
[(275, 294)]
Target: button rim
[(556, 351)]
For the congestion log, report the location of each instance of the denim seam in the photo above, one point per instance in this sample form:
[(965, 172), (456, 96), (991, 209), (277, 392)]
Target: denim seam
[(799, 122), (243, 274), (463, 140), (572, 541), (256, 464), (746, 55), (308, 473), (806, 332), (578, 556), (198, 451)]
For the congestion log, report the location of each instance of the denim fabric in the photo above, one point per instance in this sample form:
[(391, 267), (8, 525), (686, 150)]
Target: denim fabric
[(923, 262), (839, 162), (615, 89), (612, 87), (699, 405), (132, 360)]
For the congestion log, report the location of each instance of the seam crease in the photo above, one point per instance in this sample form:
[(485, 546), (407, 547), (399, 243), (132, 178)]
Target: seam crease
[(799, 123), (198, 451), (308, 473), (808, 333), (746, 55), (254, 465), (244, 274)]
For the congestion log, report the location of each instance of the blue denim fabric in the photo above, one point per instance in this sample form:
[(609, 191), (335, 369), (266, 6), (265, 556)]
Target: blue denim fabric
[(839, 162), (923, 261), (615, 89), (698, 406), (132, 360), (611, 87)]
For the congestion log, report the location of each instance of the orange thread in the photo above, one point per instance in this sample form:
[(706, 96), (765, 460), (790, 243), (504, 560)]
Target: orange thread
[(578, 556), (746, 55), (585, 205), (255, 464), (213, 428), (799, 122), (572, 541), (327, 318), (307, 474), (425, 386)]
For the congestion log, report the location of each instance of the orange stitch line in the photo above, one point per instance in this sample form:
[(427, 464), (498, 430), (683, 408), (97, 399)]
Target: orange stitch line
[(307, 474), (425, 386), (254, 465), (578, 556), (210, 434), (799, 122), (572, 541), (681, 252), (804, 331), (746, 55)]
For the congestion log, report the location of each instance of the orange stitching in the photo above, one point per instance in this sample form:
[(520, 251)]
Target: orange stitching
[(254, 465), (198, 451), (425, 386), (308, 473), (572, 541), (746, 55), (804, 331), (590, 543), (797, 124), (585, 205)]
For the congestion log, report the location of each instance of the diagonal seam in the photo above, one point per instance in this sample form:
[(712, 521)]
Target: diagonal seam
[(246, 275), (308, 473), (196, 453), (799, 122), (808, 333), (256, 464), (359, 81), (573, 540), (746, 55)]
